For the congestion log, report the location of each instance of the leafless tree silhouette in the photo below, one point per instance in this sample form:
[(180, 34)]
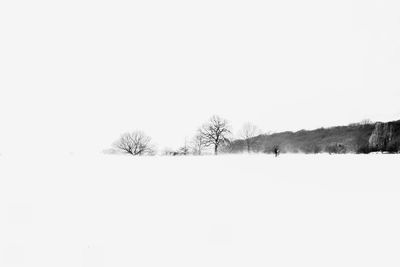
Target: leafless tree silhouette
[(184, 150), (198, 144), (248, 132), (135, 143), (215, 132)]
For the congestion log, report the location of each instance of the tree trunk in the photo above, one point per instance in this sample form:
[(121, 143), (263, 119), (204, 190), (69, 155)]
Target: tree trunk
[(216, 149)]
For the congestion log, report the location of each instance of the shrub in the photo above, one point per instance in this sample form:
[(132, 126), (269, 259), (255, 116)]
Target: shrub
[(393, 147), (364, 149), (336, 148)]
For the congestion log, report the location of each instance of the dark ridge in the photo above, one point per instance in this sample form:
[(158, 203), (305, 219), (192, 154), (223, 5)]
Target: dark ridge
[(354, 138)]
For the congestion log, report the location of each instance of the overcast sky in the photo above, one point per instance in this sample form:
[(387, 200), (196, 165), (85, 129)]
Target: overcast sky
[(74, 75)]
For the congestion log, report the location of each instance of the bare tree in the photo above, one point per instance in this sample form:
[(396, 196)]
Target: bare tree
[(135, 143), (248, 132), (366, 122), (215, 132), (184, 150), (167, 151), (198, 144)]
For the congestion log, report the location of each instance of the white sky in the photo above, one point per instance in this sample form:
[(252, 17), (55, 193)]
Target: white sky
[(74, 75)]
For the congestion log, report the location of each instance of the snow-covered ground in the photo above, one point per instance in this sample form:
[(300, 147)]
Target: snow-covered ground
[(108, 210)]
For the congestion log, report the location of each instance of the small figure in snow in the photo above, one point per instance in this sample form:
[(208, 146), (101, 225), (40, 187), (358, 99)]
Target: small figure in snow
[(276, 151)]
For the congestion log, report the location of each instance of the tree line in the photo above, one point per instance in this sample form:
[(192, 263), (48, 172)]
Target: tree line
[(215, 134)]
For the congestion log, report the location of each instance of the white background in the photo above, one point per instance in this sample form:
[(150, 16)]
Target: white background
[(74, 75), (225, 211), (77, 74)]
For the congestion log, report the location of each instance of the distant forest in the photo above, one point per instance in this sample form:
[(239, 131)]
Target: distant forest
[(364, 137), (215, 136)]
